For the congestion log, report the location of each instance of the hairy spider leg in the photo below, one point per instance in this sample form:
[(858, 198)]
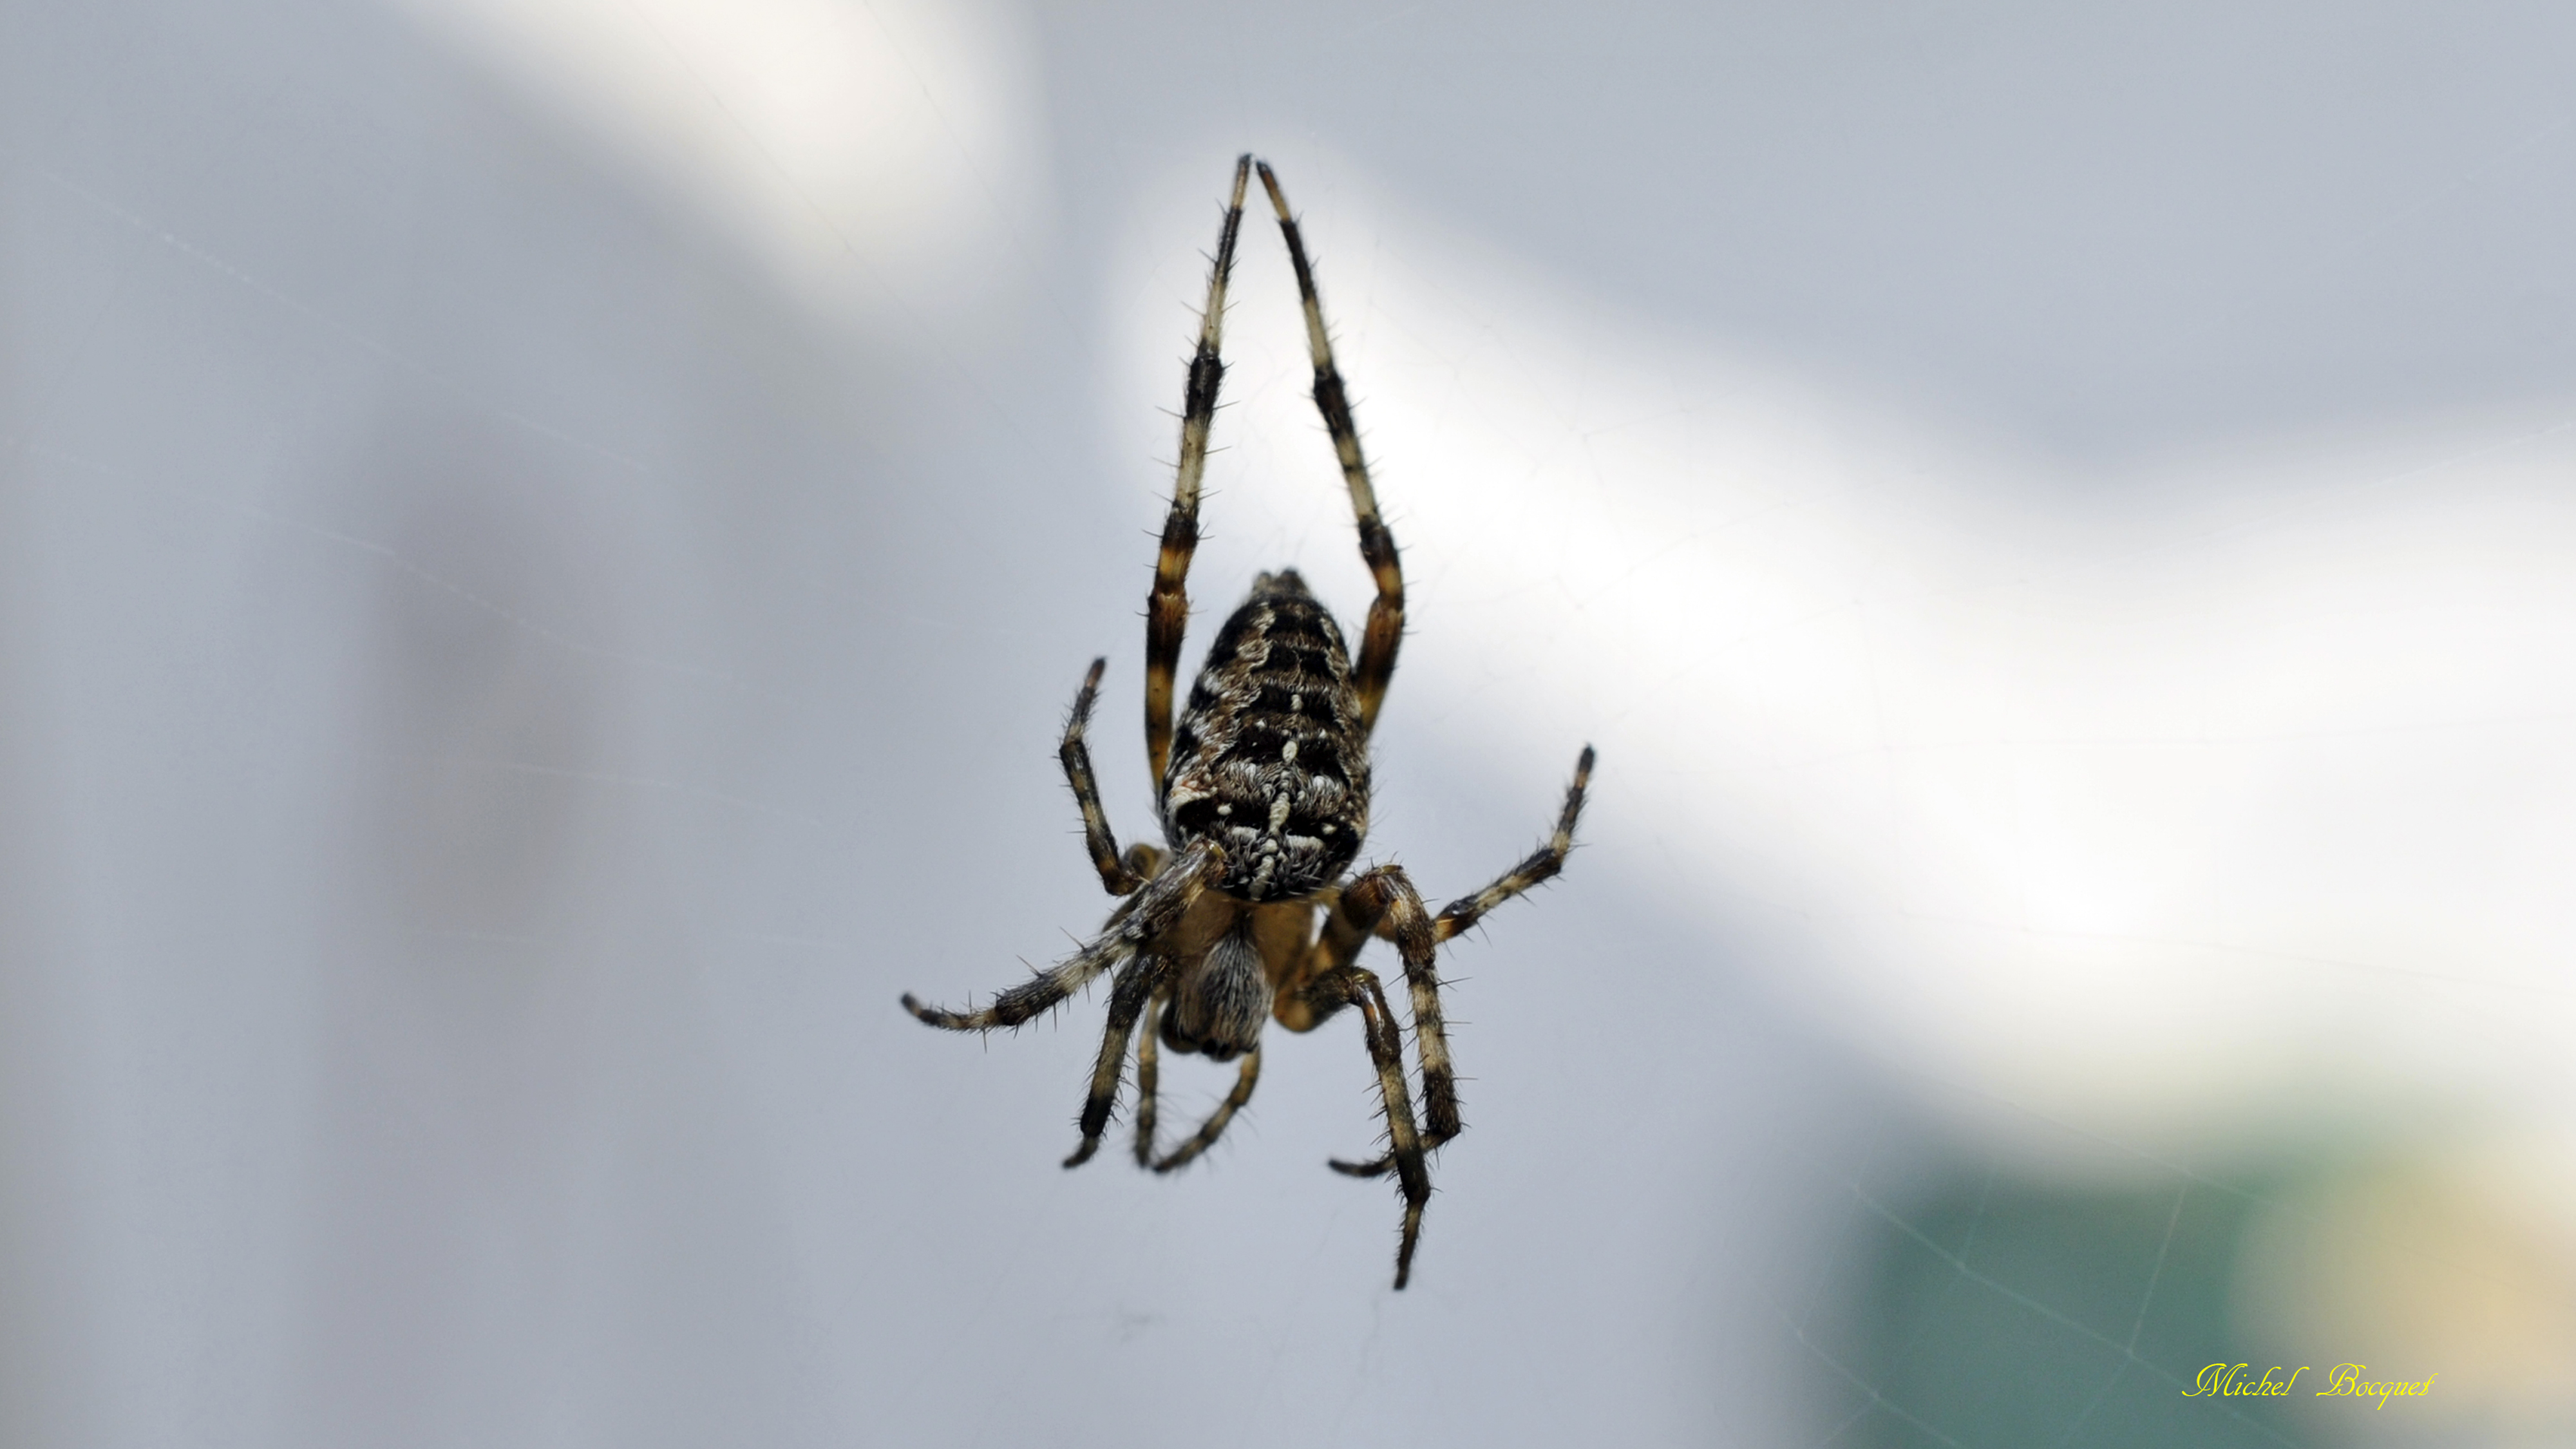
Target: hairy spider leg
[(1139, 919), (1377, 544), (1347, 931), (1148, 1073), (1383, 902), (1138, 980), (1318, 1000), (1546, 861), (1115, 877), (1167, 606), (1245, 1078)]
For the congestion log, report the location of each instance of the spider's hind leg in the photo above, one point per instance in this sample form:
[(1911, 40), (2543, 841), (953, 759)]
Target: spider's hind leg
[(1167, 607), (1377, 543)]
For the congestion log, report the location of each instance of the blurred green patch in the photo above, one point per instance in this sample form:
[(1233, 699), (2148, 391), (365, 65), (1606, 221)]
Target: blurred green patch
[(1991, 1311)]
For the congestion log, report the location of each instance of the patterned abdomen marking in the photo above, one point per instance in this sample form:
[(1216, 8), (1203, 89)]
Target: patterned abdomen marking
[(1270, 760)]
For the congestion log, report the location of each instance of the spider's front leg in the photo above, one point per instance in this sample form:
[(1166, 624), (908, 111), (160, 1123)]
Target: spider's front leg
[(1306, 1006), (1383, 902), (1137, 982), (1148, 1074), (1348, 930), (1542, 864), (1139, 919), (1246, 1077)]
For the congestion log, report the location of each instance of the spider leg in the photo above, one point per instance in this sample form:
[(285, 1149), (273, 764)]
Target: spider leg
[(1544, 862), (1345, 933), (1148, 1073), (1115, 877), (1384, 902), (1214, 1127), (1377, 545), (1167, 607), (1138, 919), (1138, 980), (1352, 986)]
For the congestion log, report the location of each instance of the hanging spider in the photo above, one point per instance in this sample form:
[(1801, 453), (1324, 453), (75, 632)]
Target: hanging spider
[(1263, 793)]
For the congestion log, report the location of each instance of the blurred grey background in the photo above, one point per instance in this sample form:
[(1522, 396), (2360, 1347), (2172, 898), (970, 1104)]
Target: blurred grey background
[(544, 548)]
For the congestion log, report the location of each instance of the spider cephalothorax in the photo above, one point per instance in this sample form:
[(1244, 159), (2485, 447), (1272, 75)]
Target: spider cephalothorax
[(1264, 796)]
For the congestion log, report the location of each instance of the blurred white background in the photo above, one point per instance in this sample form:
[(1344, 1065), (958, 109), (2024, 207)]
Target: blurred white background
[(545, 546)]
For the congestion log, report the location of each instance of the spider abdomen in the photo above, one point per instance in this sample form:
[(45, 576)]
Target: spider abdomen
[(1270, 759)]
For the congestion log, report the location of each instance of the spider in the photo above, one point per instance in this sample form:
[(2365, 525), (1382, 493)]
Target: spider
[(1263, 792)]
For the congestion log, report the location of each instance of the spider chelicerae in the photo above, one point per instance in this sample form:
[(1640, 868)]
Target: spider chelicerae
[(1263, 791)]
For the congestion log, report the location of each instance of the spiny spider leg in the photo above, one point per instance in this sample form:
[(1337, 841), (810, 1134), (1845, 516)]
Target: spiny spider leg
[(1115, 877), (1147, 1074), (1214, 1127), (1140, 918), (1377, 545), (1148, 1079), (1167, 607), (1353, 986), (1544, 862), (1384, 901), (1139, 979)]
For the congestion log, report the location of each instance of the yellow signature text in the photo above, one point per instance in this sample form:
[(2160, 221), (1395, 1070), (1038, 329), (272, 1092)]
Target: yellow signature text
[(2343, 1381), (2229, 1381)]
